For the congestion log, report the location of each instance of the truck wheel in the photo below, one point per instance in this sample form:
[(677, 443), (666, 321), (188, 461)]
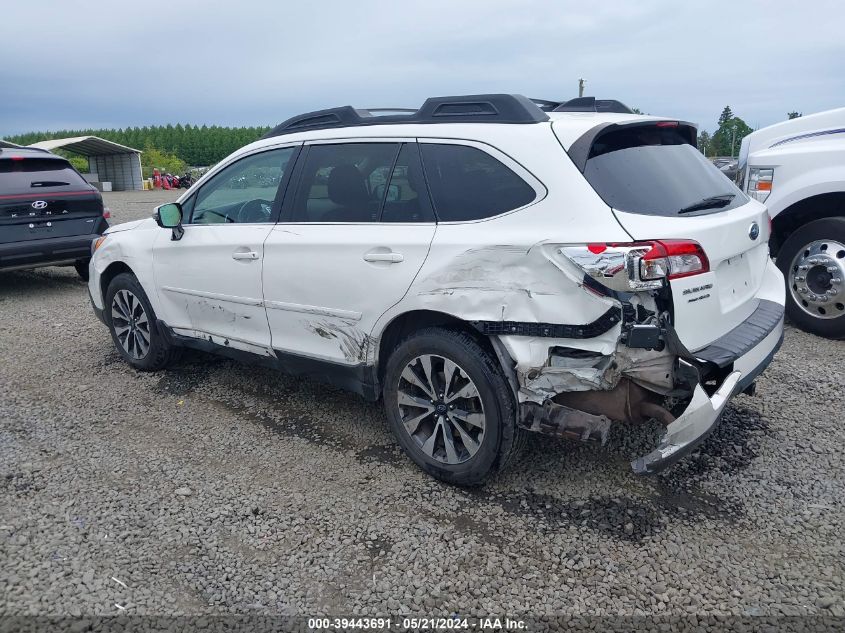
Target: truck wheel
[(133, 326), (813, 263), (450, 406)]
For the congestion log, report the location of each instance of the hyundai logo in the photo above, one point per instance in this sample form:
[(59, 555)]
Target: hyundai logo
[(39, 204), (754, 231)]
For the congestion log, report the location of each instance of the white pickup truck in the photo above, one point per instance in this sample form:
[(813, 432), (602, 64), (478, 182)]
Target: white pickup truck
[(797, 168)]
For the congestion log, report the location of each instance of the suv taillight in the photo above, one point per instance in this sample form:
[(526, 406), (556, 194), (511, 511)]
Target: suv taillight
[(673, 259), (637, 266)]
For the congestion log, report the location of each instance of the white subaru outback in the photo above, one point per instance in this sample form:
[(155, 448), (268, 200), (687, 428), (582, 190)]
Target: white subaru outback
[(487, 265)]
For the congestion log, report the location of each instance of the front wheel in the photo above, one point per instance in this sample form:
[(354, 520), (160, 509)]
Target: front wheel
[(132, 323), (813, 263), (450, 406)]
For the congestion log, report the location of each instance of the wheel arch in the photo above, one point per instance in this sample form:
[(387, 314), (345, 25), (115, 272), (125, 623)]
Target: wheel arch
[(405, 324), (817, 207), (112, 271)]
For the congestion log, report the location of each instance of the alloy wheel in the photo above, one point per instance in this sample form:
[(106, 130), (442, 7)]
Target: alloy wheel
[(130, 323), (441, 409), (816, 279)]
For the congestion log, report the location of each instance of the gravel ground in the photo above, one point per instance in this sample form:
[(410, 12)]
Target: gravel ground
[(215, 487)]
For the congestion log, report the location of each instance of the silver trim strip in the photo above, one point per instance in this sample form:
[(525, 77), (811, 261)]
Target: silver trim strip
[(247, 301), (298, 307), (270, 305)]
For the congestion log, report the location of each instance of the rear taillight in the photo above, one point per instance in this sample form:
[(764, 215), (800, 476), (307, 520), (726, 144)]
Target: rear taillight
[(637, 266), (106, 213), (673, 259)]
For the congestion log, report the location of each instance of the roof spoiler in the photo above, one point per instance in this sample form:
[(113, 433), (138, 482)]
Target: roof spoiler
[(579, 151)]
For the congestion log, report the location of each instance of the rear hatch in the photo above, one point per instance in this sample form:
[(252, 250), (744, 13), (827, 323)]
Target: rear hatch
[(43, 197), (660, 187)]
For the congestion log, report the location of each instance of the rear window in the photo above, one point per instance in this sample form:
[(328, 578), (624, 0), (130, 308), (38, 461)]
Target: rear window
[(469, 184), (653, 170), (38, 174)]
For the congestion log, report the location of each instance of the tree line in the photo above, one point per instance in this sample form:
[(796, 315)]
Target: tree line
[(730, 130), (192, 144)]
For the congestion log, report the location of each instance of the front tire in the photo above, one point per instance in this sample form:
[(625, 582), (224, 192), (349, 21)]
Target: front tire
[(812, 260), (450, 407), (134, 327)]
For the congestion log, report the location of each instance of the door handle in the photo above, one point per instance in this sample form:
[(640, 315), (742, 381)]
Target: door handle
[(391, 257), (244, 255)]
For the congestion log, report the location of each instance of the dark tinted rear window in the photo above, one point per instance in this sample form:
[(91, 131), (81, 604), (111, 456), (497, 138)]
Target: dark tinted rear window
[(655, 171), (38, 174), (469, 184)]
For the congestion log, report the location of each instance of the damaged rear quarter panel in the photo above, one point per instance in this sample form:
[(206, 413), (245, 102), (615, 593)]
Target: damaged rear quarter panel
[(520, 279)]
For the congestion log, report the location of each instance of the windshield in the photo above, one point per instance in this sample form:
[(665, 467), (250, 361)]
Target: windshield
[(31, 175), (653, 170)]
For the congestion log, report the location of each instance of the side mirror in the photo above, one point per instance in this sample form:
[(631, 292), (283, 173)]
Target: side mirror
[(169, 216)]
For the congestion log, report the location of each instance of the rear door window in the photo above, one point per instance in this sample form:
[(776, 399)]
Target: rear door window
[(344, 182), (469, 184), (34, 175), (406, 198), (653, 170)]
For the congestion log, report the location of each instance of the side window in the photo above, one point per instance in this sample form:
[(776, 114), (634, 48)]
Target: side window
[(406, 197), (243, 192), (344, 182), (469, 184)]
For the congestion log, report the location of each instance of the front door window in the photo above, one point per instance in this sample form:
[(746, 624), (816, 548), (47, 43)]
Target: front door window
[(244, 192)]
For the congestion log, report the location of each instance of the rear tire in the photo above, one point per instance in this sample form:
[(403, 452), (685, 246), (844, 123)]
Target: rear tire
[(134, 327), (819, 246), (469, 430), (81, 266)]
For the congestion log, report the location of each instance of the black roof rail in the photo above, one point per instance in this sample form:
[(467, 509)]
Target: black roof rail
[(489, 108), (591, 104), (545, 105), (364, 111)]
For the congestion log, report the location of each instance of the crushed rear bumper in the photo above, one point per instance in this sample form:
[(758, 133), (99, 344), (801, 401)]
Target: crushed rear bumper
[(742, 355)]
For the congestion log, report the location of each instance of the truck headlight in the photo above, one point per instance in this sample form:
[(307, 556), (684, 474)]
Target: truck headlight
[(760, 182)]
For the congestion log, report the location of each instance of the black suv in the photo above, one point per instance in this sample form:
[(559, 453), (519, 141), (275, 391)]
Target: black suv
[(49, 214)]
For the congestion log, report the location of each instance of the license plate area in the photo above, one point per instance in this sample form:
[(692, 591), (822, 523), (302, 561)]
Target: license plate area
[(734, 281)]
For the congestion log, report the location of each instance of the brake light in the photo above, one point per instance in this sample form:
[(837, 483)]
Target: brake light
[(638, 266), (17, 158), (673, 259), (106, 213), (666, 124)]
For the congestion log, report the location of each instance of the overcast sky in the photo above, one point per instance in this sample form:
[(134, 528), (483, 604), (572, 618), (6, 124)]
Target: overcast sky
[(79, 64)]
